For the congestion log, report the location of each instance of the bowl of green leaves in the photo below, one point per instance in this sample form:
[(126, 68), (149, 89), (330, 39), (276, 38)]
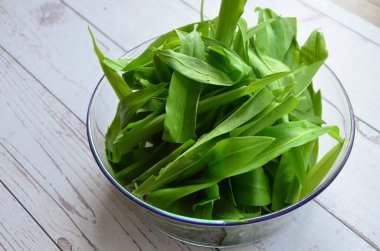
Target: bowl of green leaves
[(216, 129)]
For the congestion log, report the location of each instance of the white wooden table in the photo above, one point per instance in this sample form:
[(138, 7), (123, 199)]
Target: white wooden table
[(52, 194)]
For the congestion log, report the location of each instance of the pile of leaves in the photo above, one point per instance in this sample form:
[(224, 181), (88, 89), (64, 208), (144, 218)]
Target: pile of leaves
[(218, 120)]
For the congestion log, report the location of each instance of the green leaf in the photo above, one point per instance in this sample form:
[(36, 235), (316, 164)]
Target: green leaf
[(166, 196), (263, 66), (194, 68), (115, 64), (287, 135), (119, 86), (154, 170), (252, 188), (126, 175), (275, 39), (204, 207), (258, 27), (313, 55), (229, 62), (127, 139), (267, 117), (229, 14), (286, 189), (146, 57), (221, 158), (244, 113), (226, 97), (224, 210), (127, 107), (301, 115), (317, 173), (241, 42), (172, 170), (182, 103), (162, 70)]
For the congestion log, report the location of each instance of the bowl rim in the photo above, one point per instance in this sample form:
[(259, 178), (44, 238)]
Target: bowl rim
[(225, 223)]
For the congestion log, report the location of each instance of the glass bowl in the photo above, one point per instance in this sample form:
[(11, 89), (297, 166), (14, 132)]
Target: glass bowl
[(337, 110)]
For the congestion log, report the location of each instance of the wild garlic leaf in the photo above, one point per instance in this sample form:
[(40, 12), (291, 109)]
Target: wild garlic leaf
[(226, 97), (154, 170), (115, 64), (226, 154), (267, 117), (146, 57), (229, 62), (317, 173), (182, 102), (313, 55), (285, 187), (127, 107), (252, 188), (194, 68), (287, 135), (223, 122), (119, 86), (275, 39)]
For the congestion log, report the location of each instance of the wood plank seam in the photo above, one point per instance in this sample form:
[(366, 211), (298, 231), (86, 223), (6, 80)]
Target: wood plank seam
[(27, 211), (350, 226), (367, 124), (64, 210), (54, 95), (84, 122), (193, 8), (347, 225), (49, 195), (43, 86), (93, 25), (337, 21), (65, 107)]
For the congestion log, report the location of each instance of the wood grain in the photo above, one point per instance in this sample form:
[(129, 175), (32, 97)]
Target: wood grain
[(49, 142), (49, 72), (354, 196), (129, 23), (285, 8), (300, 234), (52, 42), (18, 231), (34, 198)]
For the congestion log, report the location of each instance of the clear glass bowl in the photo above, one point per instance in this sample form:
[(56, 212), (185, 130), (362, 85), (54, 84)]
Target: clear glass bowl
[(337, 110)]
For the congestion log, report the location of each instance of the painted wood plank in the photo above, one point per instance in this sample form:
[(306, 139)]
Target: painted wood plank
[(50, 143), (348, 19), (354, 59), (64, 169), (132, 22), (51, 40), (53, 43), (354, 195), (285, 8), (307, 22), (352, 56), (299, 234), (18, 230), (47, 212)]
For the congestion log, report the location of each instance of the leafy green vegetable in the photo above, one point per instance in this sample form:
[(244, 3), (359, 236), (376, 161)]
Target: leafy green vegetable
[(220, 120), (182, 102), (194, 68), (119, 86), (252, 188)]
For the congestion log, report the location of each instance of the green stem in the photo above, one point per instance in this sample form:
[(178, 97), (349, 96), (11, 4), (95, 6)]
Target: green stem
[(229, 14)]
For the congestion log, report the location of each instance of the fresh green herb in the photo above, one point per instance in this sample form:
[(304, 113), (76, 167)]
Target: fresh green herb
[(219, 120)]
